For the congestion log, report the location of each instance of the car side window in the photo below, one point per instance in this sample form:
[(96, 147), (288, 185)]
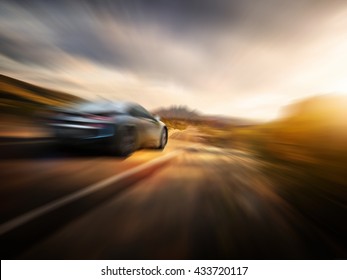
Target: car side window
[(135, 112), (140, 112)]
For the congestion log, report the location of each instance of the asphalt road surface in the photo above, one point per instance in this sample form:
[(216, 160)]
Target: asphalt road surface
[(191, 201)]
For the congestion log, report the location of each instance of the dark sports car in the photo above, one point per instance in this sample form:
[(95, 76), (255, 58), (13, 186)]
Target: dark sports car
[(121, 127)]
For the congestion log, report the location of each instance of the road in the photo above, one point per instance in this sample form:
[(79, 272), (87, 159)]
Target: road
[(192, 201)]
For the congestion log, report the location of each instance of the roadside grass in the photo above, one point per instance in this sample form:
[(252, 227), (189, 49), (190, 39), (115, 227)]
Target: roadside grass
[(306, 160), (304, 154)]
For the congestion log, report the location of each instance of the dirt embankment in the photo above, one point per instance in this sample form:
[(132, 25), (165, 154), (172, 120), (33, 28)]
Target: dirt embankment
[(20, 127)]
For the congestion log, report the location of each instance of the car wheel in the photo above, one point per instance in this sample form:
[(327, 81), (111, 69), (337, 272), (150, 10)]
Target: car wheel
[(163, 139), (124, 142)]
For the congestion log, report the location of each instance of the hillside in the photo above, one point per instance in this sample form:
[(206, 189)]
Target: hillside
[(20, 97), (177, 112), (184, 113)]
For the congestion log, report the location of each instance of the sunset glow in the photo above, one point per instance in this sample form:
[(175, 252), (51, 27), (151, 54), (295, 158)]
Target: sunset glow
[(238, 58)]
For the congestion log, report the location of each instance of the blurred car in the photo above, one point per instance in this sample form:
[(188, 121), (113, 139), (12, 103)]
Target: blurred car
[(121, 127)]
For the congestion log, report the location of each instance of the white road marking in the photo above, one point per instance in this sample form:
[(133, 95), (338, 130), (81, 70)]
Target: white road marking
[(31, 215)]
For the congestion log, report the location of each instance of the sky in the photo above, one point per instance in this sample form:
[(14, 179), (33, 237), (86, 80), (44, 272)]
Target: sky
[(241, 58)]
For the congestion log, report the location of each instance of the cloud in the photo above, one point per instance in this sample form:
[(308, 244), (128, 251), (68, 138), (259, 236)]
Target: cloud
[(214, 56)]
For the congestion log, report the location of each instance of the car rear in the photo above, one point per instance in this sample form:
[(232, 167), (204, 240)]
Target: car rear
[(72, 126)]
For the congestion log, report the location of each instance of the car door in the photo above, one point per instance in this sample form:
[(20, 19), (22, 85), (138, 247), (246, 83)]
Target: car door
[(148, 127)]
